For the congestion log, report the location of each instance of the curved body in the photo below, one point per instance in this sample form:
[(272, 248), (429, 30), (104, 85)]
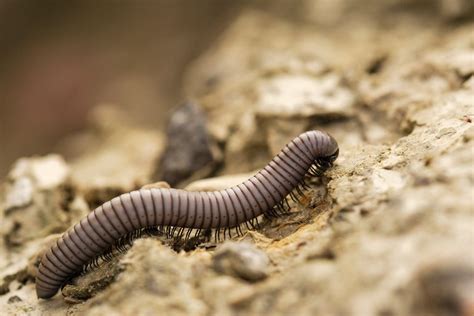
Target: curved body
[(143, 208)]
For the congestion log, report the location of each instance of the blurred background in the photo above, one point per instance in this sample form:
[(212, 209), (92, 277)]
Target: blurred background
[(58, 59)]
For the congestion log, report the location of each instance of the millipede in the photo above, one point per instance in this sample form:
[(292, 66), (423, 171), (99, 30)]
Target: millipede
[(179, 213)]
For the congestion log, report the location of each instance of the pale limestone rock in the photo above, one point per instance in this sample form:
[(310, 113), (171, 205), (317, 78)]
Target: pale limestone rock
[(218, 183)]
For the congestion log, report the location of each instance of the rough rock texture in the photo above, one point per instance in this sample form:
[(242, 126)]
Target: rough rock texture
[(113, 156), (388, 231), (241, 260), (218, 183), (37, 198), (46, 195)]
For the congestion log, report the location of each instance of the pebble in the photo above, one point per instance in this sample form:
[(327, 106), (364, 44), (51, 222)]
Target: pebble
[(242, 260)]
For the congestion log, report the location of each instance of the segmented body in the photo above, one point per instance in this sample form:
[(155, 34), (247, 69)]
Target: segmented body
[(310, 153)]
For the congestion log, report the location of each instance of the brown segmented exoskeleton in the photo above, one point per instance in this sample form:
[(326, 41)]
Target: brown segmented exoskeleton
[(125, 216)]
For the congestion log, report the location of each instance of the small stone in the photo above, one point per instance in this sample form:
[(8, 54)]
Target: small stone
[(241, 260), (189, 148), (14, 299)]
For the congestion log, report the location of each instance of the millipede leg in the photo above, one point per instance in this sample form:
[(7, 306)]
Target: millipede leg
[(188, 234), (180, 232), (216, 235), (239, 230)]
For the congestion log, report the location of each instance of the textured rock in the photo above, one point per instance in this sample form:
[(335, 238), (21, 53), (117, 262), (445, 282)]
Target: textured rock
[(163, 281), (218, 183), (268, 92), (242, 260), (37, 200), (116, 156), (83, 288), (287, 95)]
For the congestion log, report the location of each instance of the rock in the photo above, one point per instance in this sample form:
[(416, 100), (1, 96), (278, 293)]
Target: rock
[(157, 185), (263, 101), (48, 173), (189, 148), (20, 195), (226, 294), (218, 183), (253, 134), (27, 175), (37, 199), (118, 156), (95, 281), (241, 260), (290, 95), (14, 299), (162, 282), (385, 181)]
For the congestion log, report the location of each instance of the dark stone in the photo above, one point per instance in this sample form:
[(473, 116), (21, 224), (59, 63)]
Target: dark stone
[(14, 299), (189, 147)]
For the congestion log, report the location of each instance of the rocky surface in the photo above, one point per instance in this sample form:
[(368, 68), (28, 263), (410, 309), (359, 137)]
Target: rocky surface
[(388, 231), (189, 148), (241, 260)]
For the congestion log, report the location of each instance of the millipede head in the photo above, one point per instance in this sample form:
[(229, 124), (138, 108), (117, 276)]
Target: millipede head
[(330, 159), (321, 164)]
